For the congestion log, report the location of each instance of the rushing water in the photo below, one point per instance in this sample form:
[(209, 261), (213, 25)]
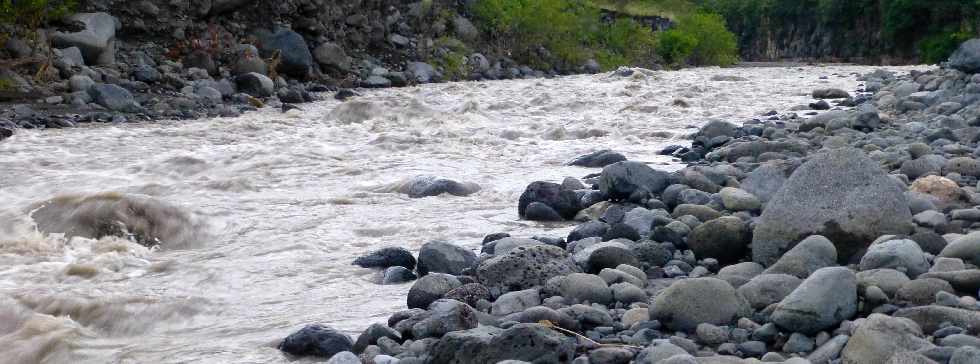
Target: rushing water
[(263, 214)]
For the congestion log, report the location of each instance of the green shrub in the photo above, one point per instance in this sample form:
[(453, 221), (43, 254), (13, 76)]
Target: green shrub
[(33, 13), (6, 84), (675, 46), (937, 48), (699, 39), (570, 30)]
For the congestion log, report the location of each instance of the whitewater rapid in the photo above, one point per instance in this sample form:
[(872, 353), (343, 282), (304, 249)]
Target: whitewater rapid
[(281, 204)]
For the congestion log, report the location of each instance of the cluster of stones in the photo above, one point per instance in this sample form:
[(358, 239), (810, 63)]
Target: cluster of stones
[(851, 236)]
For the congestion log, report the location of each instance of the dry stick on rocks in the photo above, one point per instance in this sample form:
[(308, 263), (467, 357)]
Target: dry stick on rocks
[(273, 63), (552, 326)]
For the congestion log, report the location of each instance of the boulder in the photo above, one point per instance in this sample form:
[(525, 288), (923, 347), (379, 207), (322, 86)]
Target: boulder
[(922, 291), (524, 268), (942, 189), (765, 181), (966, 248), (513, 302), (444, 257), (932, 318), (889, 281), (316, 340), (443, 317), (840, 194), (255, 84), (812, 253), (397, 275), (332, 57), (822, 301), (966, 58), (564, 202), (428, 186), (737, 199), (422, 72), (766, 289), (387, 257), (880, 337), (113, 97), (830, 93), (581, 287), (741, 273), (598, 159), (631, 180), (485, 344), (470, 294), (690, 302), (725, 238), (371, 335), (295, 58), (430, 288), (97, 40), (903, 255), (965, 280)]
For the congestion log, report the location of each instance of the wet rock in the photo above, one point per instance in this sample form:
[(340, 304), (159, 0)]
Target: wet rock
[(371, 335), (430, 288), (690, 302), (966, 58), (295, 57), (830, 93), (444, 257), (598, 159), (840, 194), (422, 72), (631, 181), (427, 186), (822, 301), (564, 202), (591, 229), (880, 337), (524, 268), (397, 274), (96, 41), (316, 340), (527, 342), (766, 289), (255, 84), (538, 211), (903, 255), (725, 238)]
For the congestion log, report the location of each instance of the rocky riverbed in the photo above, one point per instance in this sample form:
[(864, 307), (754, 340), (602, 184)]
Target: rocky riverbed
[(239, 231), (847, 236)]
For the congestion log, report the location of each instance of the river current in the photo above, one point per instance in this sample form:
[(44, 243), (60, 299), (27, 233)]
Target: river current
[(262, 215)]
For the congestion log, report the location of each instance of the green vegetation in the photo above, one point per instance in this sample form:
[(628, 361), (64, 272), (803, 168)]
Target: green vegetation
[(937, 48), (928, 26), (675, 47), (714, 44), (6, 84), (452, 62), (31, 14), (571, 31), (665, 8)]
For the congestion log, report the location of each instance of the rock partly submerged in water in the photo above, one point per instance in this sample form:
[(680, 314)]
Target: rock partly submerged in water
[(146, 220), (316, 340), (428, 186)]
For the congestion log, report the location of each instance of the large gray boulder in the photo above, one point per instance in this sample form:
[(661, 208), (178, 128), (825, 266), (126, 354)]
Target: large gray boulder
[(255, 84), (880, 337), (623, 180), (840, 194), (97, 40), (523, 268), (690, 302), (332, 57), (295, 58), (532, 343), (444, 257), (113, 97), (822, 301), (967, 57), (430, 288)]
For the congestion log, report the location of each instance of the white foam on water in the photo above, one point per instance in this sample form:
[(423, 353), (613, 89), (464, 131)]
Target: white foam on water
[(292, 199)]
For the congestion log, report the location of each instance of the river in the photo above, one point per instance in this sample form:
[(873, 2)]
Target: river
[(278, 204)]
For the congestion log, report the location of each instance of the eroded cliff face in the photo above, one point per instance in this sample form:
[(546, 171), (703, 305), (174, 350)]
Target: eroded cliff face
[(807, 38)]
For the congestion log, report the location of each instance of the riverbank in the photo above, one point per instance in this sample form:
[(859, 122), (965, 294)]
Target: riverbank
[(843, 236), (293, 198)]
